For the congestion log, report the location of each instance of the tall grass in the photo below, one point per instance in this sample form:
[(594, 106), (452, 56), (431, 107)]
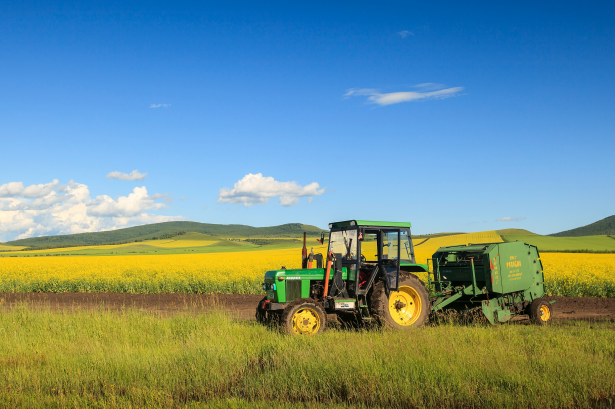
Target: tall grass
[(136, 359)]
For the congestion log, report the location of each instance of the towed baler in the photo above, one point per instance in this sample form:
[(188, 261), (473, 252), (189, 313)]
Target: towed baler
[(502, 279)]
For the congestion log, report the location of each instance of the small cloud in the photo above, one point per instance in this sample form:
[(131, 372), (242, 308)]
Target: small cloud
[(375, 97), (134, 175), (160, 105), (165, 197), (182, 198), (205, 207), (126, 206), (258, 189), (405, 33), (510, 219), (310, 200), (16, 189), (429, 86)]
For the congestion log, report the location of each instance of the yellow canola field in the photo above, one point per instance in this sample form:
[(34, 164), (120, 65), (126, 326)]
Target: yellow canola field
[(566, 274), (579, 274), (237, 272), (425, 249)]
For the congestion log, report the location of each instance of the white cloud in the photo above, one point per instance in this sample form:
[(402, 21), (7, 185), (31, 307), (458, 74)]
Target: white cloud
[(160, 105), (375, 97), (68, 209), (16, 189), (125, 206), (405, 33), (134, 175), (258, 189), (510, 219)]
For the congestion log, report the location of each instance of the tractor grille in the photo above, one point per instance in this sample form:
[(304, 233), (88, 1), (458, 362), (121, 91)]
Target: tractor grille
[(293, 290)]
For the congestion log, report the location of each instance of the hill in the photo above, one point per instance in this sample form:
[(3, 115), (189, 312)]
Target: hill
[(602, 227), (166, 230)]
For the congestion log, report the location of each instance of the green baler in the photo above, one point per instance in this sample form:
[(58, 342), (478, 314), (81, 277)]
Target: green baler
[(503, 279)]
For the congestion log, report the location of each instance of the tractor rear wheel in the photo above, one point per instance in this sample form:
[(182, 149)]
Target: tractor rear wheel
[(303, 317), (540, 312), (403, 309)]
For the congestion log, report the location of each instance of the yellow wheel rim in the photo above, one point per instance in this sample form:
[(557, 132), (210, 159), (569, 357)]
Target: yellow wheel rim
[(405, 305), (545, 313), (306, 321)]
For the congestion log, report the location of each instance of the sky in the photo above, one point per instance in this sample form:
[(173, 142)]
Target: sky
[(452, 116)]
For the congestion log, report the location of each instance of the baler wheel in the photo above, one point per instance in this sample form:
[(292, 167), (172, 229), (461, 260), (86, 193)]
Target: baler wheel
[(540, 312), (406, 308), (303, 317)]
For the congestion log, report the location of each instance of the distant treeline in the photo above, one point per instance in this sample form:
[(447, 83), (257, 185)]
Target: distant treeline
[(265, 242)]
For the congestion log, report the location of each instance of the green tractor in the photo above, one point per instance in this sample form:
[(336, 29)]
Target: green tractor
[(366, 276)]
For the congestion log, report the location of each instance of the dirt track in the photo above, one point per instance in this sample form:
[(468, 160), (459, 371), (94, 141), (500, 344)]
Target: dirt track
[(242, 306)]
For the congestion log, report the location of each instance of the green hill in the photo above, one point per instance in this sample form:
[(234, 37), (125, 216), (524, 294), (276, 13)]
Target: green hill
[(168, 229), (602, 227)]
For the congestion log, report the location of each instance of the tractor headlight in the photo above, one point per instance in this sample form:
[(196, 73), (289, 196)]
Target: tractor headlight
[(265, 286)]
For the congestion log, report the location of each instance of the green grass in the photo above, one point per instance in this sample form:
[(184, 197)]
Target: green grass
[(563, 244), (133, 359)]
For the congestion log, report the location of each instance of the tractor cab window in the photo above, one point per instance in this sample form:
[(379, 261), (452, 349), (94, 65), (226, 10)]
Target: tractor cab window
[(345, 243), (406, 251), (369, 247), (390, 245)]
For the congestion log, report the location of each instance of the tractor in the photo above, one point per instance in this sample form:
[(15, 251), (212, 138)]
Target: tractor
[(366, 276)]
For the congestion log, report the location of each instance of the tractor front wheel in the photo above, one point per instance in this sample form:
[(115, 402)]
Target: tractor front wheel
[(408, 307), (303, 317)]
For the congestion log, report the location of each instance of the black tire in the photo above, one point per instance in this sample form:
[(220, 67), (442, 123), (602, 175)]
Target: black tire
[(379, 309), (304, 316), (541, 312), (261, 314)]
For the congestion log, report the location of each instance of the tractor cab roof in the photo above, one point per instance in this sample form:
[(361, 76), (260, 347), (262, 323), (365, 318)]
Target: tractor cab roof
[(367, 223)]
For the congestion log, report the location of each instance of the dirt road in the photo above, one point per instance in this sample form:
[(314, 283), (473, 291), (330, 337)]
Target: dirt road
[(242, 306)]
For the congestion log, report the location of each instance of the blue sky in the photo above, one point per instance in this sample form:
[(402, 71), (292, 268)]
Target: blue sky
[(453, 116)]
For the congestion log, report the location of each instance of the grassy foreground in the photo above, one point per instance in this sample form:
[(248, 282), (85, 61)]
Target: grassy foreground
[(135, 359)]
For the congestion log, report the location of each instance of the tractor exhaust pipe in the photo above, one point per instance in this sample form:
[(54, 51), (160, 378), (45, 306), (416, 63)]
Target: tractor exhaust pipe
[(328, 273), (304, 257)]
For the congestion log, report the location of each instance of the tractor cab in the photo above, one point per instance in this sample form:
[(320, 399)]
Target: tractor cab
[(372, 249), (367, 264)]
